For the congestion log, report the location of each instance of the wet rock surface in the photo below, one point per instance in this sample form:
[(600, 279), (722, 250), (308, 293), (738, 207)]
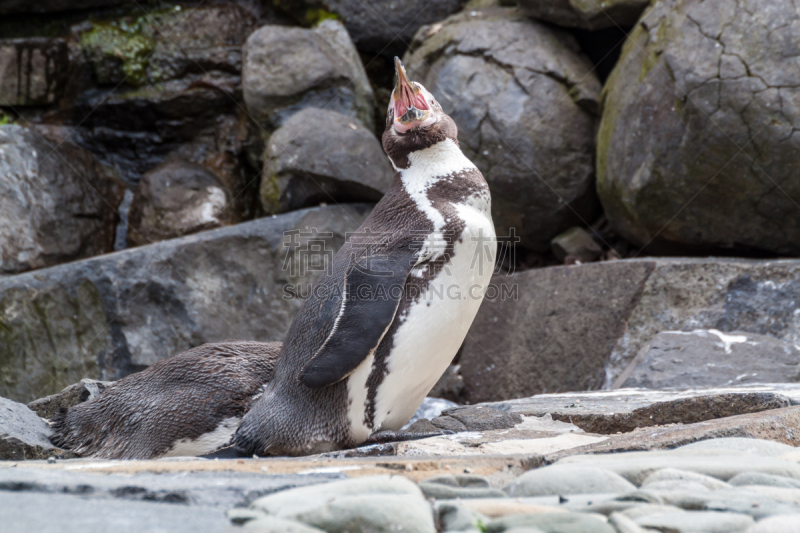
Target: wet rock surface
[(585, 14), (57, 204), (503, 79), (178, 198), (717, 83), (23, 435), (109, 316), (322, 156)]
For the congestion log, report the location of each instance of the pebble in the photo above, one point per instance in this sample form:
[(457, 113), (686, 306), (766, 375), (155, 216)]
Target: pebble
[(696, 522), (778, 524), (273, 524), (757, 478), (682, 476), (760, 447), (623, 524), (452, 516), (563, 479), (439, 491), (553, 523)]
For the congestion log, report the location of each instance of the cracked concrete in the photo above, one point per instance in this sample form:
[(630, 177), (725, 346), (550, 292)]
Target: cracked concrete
[(722, 84), (525, 101)]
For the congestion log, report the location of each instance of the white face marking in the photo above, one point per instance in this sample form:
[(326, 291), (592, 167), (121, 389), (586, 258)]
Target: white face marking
[(207, 442)]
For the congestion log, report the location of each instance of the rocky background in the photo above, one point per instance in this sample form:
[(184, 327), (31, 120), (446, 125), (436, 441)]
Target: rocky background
[(155, 156)]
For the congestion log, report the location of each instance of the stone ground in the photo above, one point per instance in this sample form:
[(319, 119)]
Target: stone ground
[(539, 464)]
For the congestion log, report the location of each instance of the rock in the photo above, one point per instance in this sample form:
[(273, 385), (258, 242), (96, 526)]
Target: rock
[(585, 14), (48, 6), (431, 408), (287, 69), (760, 447), (778, 524), (450, 386), (273, 524), (682, 476), (637, 466), (181, 97), (452, 516), (440, 491), (586, 323), (113, 315), (322, 156), (757, 478), (697, 521), (575, 244), (382, 27), (72, 395), (23, 435), (713, 80), (623, 524), (553, 523), (482, 418), (504, 80), (378, 503), (33, 71), (567, 479), (57, 204), (684, 359), (178, 198)]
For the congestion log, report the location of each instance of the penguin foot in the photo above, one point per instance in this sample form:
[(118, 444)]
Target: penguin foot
[(227, 452), (383, 437)]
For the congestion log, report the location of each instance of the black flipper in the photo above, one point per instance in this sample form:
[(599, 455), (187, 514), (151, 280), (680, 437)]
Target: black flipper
[(373, 288)]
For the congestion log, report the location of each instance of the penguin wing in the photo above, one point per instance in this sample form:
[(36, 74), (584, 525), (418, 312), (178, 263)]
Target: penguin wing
[(373, 288)]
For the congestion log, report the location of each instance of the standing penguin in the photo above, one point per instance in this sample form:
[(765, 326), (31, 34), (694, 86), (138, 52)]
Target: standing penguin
[(385, 321)]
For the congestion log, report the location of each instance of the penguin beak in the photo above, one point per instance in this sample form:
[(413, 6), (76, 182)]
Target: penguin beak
[(411, 110)]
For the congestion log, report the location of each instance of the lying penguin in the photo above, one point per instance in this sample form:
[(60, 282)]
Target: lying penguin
[(385, 321), (187, 404), (380, 328)]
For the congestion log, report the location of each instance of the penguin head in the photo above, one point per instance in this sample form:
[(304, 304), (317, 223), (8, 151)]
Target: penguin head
[(414, 120)]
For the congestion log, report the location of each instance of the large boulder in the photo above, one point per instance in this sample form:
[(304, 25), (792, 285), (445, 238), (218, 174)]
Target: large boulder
[(109, 316), (381, 26), (524, 100), (586, 14), (579, 327), (57, 204), (696, 147), (287, 69), (322, 156), (178, 198), (33, 71)]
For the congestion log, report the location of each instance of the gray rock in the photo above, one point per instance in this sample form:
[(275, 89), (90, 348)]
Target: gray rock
[(778, 524), (109, 316), (72, 395), (503, 79), (553, 523), (382, 27), (181, 96), (575, 244), (721, 464), (757, 478), (697, 522), (273, 524), (322, 156), (760, 447), (482, 417), (733, 500), (54, 513), (460, 481), (681, 359), (565, 479), (48, 6), (586, 14), (586, 323), (441, 491), (377, 503), (713, 80), (57, 204), (23, 435), (623, 524), (287, 69), (453, 516), (178, 198), (673, 474), (431, 408), (33, 71)]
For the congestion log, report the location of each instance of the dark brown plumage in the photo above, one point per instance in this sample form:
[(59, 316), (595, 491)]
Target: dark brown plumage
[(179, 399)]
